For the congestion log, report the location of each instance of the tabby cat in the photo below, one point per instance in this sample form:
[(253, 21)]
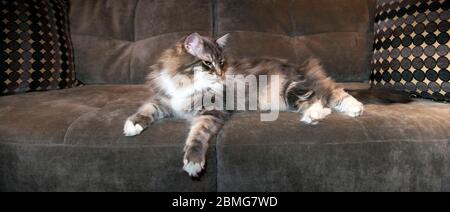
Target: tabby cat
[(197, 64)]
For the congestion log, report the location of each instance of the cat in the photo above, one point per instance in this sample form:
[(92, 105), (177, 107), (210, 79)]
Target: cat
[(197, 63)]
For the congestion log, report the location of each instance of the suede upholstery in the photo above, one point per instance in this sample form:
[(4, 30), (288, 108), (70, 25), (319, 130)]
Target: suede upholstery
[(116, 41), (338, 33), (71, 140), (380, 151)]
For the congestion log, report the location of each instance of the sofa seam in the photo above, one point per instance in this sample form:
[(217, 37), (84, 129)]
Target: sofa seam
[(135, 20), (98, 36), (214, 17), (214, 32), (10, 142), (76, 120), (133, 44), (347, 143), (371, 35), (14, 143), (130, 60), (299, 35), (218, 141), (227, 31)]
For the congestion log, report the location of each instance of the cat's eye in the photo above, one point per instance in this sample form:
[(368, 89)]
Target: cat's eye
[(221, 63), (207, 63)]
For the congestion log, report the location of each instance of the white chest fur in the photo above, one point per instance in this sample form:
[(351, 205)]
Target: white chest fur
[(181, 89)]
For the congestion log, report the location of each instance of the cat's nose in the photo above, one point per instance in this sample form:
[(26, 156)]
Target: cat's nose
[(218, 71)]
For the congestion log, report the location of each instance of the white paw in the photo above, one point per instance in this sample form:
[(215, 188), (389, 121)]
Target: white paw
[(193, 169), (131, 129), (351, 107), (315, 113)]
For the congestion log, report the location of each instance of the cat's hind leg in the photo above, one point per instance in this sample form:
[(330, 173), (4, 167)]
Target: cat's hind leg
[(343, 102), (313, 111), (329, 92), (204, 127), (148, 113), (302, 99)]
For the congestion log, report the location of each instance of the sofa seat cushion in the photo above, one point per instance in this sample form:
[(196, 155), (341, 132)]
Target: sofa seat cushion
[(399, 147), (71, 140)]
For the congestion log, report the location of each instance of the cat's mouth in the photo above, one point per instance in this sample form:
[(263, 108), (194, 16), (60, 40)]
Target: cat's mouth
[(213, 79)]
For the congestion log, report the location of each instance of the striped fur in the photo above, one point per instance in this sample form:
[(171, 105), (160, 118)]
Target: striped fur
[(176, 83)]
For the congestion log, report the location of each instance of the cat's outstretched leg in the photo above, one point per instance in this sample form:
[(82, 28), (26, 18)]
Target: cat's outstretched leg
[(302, 100), (343, 102), (203, 128), (331, 95), (313, 111), (146, 114)]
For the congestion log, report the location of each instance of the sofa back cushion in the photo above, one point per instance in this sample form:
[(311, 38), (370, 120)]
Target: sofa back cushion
[(117, 40), (339, 33), (35, 46)]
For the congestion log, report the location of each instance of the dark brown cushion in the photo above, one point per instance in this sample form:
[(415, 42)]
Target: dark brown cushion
[(36, 48), (412, 47)]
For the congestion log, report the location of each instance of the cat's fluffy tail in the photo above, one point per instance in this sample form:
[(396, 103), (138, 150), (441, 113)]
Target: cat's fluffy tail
[(380, 96)]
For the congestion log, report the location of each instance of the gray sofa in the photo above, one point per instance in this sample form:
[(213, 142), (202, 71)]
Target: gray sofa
[(71, 139)]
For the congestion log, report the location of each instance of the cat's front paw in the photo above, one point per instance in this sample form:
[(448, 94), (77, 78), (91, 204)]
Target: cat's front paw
[(315, 113), (351, 107), (131, 129), (194, 161)]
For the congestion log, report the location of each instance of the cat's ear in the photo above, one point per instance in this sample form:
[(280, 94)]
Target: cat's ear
[(194, 44), (222, 41)]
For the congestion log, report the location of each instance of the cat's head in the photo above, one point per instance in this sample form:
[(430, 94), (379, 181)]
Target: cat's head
[(198, 60), (207, 52)]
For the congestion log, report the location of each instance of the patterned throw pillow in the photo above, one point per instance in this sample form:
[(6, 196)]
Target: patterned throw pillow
[(412, 48), (35, 47)]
